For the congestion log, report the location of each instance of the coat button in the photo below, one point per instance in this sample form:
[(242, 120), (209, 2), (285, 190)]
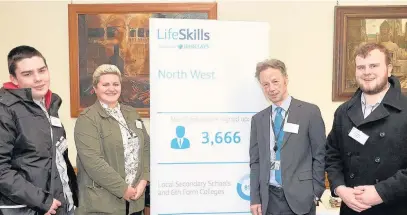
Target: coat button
[(352, 176), (377, 160), (349, 154), (382, 134)]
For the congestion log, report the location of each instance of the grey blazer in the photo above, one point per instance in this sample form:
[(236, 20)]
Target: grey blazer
[(302, 157)]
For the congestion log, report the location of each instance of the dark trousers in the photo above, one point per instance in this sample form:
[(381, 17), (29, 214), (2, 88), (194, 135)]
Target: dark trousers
[(127, 210), (278, 204)]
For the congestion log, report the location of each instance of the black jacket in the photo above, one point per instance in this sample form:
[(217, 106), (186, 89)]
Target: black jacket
[(28, 171), (381, 161)]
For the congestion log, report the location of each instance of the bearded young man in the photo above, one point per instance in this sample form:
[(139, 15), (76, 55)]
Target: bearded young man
[(366, 157), (36, 176)]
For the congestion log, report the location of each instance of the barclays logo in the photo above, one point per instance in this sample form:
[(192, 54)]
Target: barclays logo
[(185, 46), (243, 187), (183, 34), (193, 46)]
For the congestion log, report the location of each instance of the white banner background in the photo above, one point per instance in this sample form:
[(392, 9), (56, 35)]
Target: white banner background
[(210, 174)]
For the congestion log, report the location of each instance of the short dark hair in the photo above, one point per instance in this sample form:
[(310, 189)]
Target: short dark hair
[(365, 49), (20, 53)]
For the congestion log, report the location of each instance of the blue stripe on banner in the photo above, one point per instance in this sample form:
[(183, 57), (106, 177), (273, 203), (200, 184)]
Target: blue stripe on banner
[(207, 112), (186, 163), (236, 212)]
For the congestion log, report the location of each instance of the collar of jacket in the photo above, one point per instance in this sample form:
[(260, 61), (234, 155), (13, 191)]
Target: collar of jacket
[(102, 112), (24, 94), (391, 98), (9, 97)]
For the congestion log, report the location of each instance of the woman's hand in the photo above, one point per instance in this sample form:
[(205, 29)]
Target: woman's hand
[(141, 186), (129, 193)]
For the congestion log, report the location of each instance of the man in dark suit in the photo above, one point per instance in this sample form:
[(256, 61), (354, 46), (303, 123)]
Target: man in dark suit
[(287, 149), (367, 147)]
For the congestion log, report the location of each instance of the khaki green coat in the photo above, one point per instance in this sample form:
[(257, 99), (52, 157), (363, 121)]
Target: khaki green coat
[(100, 161)]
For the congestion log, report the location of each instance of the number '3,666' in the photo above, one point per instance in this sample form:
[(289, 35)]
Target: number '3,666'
[(221, 137)]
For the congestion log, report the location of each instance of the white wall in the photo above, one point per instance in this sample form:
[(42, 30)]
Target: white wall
[(301, 36)]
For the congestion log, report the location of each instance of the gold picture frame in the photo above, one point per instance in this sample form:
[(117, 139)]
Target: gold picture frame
[(356, 25), (119, 34)]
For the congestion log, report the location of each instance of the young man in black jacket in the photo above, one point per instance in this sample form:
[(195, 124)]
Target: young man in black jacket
[(36, 176), (366, 157)]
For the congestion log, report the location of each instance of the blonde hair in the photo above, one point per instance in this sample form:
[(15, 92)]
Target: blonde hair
[(103, 70)]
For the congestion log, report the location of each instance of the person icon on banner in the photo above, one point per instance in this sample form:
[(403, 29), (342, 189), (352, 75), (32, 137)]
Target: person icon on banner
[(180, 142)]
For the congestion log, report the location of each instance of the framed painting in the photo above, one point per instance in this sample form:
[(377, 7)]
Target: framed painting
[(119, 34), (356, 25)]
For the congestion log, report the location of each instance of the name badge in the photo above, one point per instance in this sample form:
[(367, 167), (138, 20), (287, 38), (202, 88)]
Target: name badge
[(139, 125), (62, 144), (275, 165), (55, 121), (291, 128), (358, 135)]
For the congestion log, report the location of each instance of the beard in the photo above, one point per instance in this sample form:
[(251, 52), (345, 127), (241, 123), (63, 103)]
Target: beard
[(379, 87)]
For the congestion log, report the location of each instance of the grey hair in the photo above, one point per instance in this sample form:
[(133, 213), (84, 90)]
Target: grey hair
[(270, 63), (103, 70)]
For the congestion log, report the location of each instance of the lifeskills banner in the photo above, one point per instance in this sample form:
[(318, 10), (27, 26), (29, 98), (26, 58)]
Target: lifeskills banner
[(203, 95)]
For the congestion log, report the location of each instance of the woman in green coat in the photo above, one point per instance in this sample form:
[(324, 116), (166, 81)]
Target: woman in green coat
[(113, 151)]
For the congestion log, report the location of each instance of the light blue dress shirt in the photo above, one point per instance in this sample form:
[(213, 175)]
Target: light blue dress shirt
[(368, 109)]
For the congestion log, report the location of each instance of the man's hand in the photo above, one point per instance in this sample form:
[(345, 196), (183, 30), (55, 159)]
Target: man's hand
[(141, 186), (130, 192), (55, 205), (256, 209), (347, 195), (368, 195)]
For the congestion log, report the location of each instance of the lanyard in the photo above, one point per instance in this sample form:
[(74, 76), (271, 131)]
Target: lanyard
[(276, 136), (132, 134)]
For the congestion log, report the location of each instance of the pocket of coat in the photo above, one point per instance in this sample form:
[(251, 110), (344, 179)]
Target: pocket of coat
[(306, 175), (17, 211), (98, 200), (105, 134)]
